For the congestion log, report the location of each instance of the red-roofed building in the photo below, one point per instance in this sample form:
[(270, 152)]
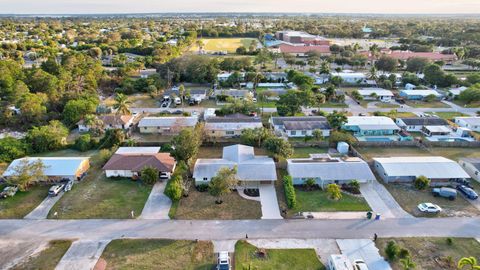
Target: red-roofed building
[(301, 51), (131, 164)]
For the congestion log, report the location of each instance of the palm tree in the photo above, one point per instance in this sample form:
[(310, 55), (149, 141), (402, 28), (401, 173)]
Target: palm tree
[(373, 73), (122, 104), (407, 263), (374, 50), (471, 262)]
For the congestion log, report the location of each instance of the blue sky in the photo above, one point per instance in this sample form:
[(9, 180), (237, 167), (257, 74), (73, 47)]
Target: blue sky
[(335, 6)]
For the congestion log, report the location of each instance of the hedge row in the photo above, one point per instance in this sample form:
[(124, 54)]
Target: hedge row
[(289, 191)]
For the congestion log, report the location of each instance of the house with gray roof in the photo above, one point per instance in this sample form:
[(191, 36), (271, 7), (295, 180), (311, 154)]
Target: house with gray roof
[(415, 124), (221, 94), (407, 169), (252, 170), (300, 126), (325, 170), (472, 123), (166, 125), (471, 166), (376, 94)]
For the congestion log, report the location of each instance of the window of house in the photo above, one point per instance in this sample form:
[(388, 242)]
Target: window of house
[(293, 132), (304, 132), (205, 179), (230, 132)]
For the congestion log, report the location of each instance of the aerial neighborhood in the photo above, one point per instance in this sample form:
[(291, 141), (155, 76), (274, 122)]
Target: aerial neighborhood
[(240, 142)]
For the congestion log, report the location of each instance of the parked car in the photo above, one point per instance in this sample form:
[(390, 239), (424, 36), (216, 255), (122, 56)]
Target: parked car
[(223, 261), (9, 191), (429, 208), (445, 192), (178, 101), (55, 190), (360, 265), (468, 192), (68, 186)]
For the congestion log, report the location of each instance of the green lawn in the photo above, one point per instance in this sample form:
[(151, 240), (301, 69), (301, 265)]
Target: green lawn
[(318, 201), (22, 203), (276, 259), (469, 105), (158, 254), (333, 105), (266, 104), (432, 253), (422, 104), (201, 205), (304, 152), (99, 197), (447, 115), (47, 258), (454, 153), (224, 44)]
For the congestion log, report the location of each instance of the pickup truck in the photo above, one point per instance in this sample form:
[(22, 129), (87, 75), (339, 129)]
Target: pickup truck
[(445, 192)]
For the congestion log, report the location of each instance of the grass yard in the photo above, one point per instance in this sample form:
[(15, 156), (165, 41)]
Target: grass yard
[(201, 205), (432, 253), (333, 105), (267, 104), (318, 201), (47, 258), (304, 152), (386, 105), (469, 105), (99, 197), (408, 197), (447, 115), (22, 203), (454, 153), (395, 114), (423, 104), (224, 44), (275, 259), (158, 254)]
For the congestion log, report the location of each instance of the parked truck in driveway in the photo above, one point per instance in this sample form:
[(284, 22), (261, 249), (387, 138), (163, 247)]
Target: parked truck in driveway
[(445, 192)]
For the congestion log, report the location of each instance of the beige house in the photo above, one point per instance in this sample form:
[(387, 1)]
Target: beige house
[(230, 126), (166, 125)]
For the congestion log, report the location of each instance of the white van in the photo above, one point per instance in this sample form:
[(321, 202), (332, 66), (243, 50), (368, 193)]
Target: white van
[(178, 101), (339, 262)]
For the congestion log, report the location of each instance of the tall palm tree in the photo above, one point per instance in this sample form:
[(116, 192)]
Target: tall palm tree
[(471, 262), (407, 263), (122, 104), (373, 73)]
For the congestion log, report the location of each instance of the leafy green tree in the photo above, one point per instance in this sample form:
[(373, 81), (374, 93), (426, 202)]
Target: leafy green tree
[(112, 137), (174, 188), (317, 134), (47, 138), (337, 119), (186, 144), (255, 137), (434, 74), (149, 175), (472, 94), (122, 104), (279, 147), (387, 63), (391, 250), (26, 173), (430, 98), (289, 104), (470, 262), (223, 183), (334, 192), (417, 64), (11, 148), (77, 109), (407, 263), (83, 143), (421, 182)]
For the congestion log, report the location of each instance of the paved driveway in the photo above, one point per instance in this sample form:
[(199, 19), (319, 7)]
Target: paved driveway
[(268, 199), (82, 255), (158, 204), (381, 201), (363, 249), (41, 211)]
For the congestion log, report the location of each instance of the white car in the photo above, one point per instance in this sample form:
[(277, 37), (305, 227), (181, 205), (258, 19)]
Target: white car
[(429, 208), (223, 261), (360, 265)]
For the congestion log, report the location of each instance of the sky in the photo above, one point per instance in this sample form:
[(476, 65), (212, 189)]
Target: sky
[(301, 6)]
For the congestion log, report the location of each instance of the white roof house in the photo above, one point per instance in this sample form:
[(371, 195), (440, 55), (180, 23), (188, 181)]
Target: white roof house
[(407, 169), (351, 77), (472, 123), (371, 123), (419, 94), (137, 150), (62, 167), (456, 91), (325, 169), (168, 121), (251, 168), (381, 94)]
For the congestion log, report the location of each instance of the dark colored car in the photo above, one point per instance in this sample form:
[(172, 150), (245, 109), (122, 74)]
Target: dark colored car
[(468, 192)]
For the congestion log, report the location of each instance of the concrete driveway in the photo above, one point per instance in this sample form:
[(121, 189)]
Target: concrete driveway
[(268, 199), (158, 204), (41, 211), (381, 201), (82, 255), (363, 249)]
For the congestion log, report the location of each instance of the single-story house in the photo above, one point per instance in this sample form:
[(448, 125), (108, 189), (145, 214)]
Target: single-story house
[(407, 169), (376, 94), (56, 168), (327, 170), (419, 94), (252, 170), (472, 123), (222, 77), (230, 125), (300, 126), (198, 95), (351, 77), (138, 150), (303, 50), (275, 76), (233, 93), (371, 126), (436, 130), (131, 164), (166, 125), (415, 124), (110, 121), (455, 92), (471, 166)]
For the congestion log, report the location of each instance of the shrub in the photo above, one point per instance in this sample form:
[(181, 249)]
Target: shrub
[(449, 241), (103, 156), (202, 187), (310, 183), (149, 175), (289, 191), (334, 192), (391, 250), (83, 143), (403, 253), (340, 136), (421, 182), (174, 188)]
